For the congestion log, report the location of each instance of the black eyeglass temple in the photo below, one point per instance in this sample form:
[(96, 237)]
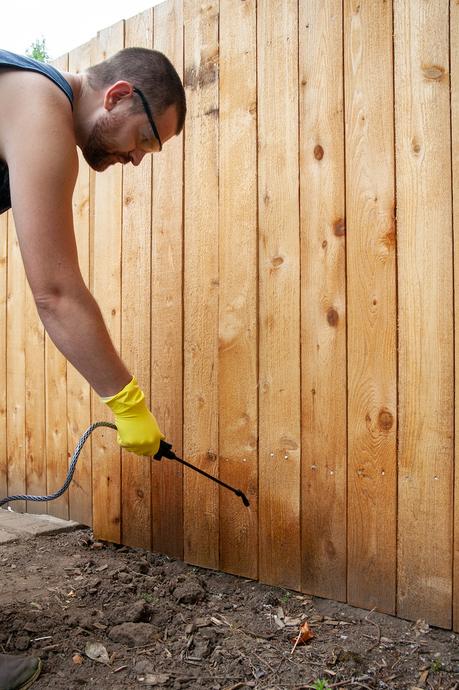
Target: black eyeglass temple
[(149, 115)]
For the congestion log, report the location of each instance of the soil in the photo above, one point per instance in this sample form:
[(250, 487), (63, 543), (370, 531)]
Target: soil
[(156, 622)]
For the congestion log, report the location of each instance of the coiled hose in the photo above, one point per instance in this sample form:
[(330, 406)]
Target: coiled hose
[(75, 456), (165, 451)]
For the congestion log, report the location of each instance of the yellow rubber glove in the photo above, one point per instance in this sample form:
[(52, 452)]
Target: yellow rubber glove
[(138, 430)]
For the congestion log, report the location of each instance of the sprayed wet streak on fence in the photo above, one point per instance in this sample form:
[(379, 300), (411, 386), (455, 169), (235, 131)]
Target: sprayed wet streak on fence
[(281, 281)]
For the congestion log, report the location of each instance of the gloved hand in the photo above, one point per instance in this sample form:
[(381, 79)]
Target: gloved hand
[(138, 430)]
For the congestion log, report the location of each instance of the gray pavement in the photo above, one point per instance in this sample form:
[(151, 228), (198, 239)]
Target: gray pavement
[(19, 526)]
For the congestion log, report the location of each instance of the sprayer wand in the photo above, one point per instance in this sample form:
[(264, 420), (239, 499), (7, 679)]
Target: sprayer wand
[(165, 450)]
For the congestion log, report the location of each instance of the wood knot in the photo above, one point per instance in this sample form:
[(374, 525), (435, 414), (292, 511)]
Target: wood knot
[(385, 420), (415, 146), (330, 548), (332, 317), (318, 152), (277, 261), (433, 72), (339, 227), (288, 443), (389, 239)]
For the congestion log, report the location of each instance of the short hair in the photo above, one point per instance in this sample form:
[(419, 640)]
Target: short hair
[(148, 69)]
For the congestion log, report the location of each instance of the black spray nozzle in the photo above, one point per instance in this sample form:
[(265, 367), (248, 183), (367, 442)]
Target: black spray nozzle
[(165, 451)]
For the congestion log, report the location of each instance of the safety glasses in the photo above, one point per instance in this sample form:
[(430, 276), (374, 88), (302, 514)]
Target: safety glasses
[(156, 144)]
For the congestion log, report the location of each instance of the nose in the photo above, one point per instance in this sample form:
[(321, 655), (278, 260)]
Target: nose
[(136, 157)]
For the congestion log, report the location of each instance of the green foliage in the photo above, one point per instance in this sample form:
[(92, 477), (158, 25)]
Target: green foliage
[(38, 51), (436, 666), (321, 684), (148, 598)]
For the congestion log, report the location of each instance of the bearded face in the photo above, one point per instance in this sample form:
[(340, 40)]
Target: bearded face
[(100, 150)]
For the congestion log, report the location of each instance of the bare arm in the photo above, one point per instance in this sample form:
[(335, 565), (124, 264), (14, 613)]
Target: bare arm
[(43, 166)]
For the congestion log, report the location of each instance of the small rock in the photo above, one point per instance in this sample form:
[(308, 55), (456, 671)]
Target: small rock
[(124, 577), (154, 679), (133, 634), (177, 568), (200, 650), (142, 566), (139, 612), (189, 592), (421, 627), (97, 652), (144, 666), (22, 642)]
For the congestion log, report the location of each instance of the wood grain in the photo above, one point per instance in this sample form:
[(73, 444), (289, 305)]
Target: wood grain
[(454, 53), (3, 377), (323, 304), (78, 389), (279, 295), (106, 253), (200, 433), (237, 361), (167, 304), (35, 407), (426, 328), (135, 318), (371, 299), (15, 368), (56, 409)]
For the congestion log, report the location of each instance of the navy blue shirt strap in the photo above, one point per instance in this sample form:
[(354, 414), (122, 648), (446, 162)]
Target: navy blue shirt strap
[(14, 61)]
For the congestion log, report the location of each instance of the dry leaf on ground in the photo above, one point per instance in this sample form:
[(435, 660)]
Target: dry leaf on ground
[(304, 635)]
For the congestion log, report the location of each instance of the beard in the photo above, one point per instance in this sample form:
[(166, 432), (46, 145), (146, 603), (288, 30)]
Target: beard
[(100, 148)]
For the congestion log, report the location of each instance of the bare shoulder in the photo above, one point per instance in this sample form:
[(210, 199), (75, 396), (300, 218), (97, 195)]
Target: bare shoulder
[(36, 124)]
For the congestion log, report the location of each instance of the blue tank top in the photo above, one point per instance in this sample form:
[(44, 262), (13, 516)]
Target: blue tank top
[(20, 62)]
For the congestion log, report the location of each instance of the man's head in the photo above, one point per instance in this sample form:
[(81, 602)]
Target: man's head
[(143, 106)]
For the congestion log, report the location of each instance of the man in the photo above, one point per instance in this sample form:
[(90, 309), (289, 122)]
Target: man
[(117, 111)]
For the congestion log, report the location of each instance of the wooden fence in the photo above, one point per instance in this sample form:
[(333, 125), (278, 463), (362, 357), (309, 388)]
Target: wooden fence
[(281, 280)]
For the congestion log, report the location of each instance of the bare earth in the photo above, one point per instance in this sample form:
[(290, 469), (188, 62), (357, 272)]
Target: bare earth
[(160, 623)]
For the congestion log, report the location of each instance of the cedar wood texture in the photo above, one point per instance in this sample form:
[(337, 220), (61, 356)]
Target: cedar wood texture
[(282, 282)]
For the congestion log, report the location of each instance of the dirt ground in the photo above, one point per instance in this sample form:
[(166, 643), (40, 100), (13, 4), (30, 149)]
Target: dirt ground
[(156, 622)]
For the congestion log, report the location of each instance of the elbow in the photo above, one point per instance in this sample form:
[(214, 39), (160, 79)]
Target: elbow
[(49, 301)]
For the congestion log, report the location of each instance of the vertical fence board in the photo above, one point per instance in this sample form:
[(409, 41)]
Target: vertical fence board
[(167, 304), (255, 197), (135, 320), (15, 370), (425, 311), (35, 418), (371, 306), (201, 543), (238, 285), (3, 401), (78, 390), (107, 271), (56, 409), (279, 307), (454, 70), (323, 303)]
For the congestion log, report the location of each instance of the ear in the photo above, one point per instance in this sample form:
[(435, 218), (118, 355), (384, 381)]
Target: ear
[(117, 92)]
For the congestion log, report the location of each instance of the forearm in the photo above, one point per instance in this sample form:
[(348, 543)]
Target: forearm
[(76, 326)]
